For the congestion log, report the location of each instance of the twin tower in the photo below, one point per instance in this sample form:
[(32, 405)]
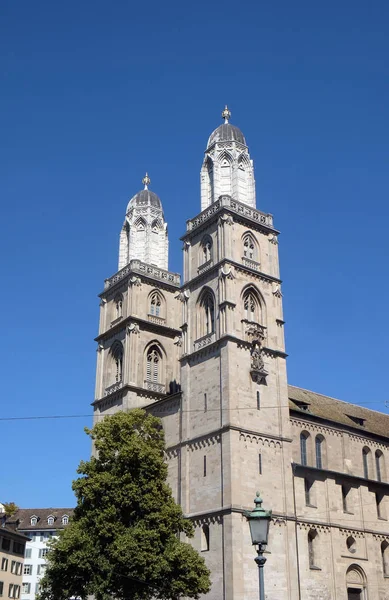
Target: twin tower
[(207, 355)]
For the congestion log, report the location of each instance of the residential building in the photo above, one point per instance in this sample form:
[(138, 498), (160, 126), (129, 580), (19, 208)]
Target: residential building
[(207, 354), (12, 547), (40, 525)]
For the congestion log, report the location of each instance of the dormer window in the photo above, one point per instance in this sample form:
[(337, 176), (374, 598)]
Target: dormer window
[(65, 520), (33, 520), (301, 405), (50, 520), (357, 420)]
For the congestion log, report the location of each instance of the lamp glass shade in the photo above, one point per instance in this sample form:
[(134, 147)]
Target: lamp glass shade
[(259, 529)]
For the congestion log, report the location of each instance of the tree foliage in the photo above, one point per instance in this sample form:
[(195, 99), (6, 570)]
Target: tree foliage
[(123, 541), (10, 508)]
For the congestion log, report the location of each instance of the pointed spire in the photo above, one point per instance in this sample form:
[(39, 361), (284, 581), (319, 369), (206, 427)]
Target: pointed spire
[(226, 114), (146, 181)]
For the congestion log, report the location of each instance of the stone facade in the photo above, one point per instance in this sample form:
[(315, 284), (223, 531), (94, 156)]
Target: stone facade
[(208, 356)]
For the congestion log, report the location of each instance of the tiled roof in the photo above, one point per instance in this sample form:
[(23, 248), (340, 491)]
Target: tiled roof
[(338, 411), (23, 515)]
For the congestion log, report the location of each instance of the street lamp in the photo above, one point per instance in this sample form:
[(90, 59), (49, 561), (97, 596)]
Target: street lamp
[(259, 521)]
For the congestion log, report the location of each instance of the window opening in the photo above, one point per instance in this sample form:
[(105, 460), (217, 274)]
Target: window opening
[(152, 369), (318, 447), (303, 449)]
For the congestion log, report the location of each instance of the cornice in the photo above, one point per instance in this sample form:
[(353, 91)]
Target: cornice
[(216, 433), (167, 279), (239, 266), (128, 387), (145, 325), (229, 338), (243, 212)]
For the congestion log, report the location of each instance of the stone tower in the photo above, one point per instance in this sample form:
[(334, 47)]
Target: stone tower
[(235, 435), (137, 361)]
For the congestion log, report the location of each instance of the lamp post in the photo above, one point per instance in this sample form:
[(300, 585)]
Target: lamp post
[(259, 521)]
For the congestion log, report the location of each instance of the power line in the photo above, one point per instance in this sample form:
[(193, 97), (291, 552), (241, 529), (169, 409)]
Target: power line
[(199, 410)]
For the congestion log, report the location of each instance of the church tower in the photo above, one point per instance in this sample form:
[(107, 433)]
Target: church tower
[(137, 352), (235, 435)]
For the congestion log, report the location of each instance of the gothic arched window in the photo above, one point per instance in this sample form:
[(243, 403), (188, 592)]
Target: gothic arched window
[(116, 366), (206, 249), (206, 314), (251, 306), (250, 247), (118, 302), (156, 304), (153, 364)]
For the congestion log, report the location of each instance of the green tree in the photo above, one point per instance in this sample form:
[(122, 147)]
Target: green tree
[(10, 508), (123, 541)]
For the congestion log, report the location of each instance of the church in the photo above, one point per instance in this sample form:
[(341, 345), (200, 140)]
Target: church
[(206, 353)]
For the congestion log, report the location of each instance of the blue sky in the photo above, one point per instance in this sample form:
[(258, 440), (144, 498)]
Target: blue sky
[(93, 94)]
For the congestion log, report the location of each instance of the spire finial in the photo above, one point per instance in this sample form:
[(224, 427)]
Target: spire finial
[(146, 181), (226, 114)]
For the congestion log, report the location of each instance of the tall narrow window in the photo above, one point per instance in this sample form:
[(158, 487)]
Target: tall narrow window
[(379, 457), (318, 449), (153, 365), (115, 370), (250, 304), (365, 458), (205, 466), (345, 493), (204, 538), (118, 306), (258, 400), (312, 539), (249, 247), (206, 249), (207, 306), (304, 448), (155, 305), (205, 403), (308, 492), (260, 464), (385, 558), (379, 500)]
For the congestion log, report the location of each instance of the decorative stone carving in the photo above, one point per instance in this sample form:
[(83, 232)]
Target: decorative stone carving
[(133, 328), (183, 296), (227, 271), (277, 291), (257, 369), (143, 268), (178, 341), (135, 281), (225, 220), (100, 348), (254, 331), (258, 439), (273, 239), (113, 388), (204, 341)]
